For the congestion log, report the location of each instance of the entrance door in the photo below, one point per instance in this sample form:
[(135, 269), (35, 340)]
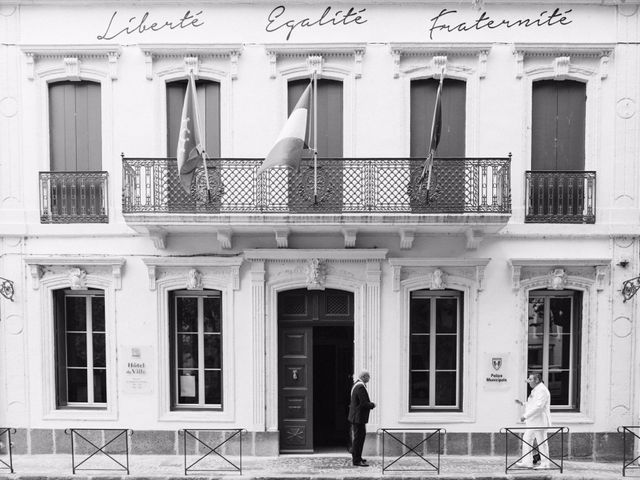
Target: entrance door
[(315, 365)]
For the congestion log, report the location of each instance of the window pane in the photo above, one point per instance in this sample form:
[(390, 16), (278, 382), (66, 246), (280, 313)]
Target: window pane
[(560, 315), (212, 387), (187, 386), (76, 349), (446, 315), (559, 387), (212, 314), (536, 317), (99, 350), (99, 385), (419, 352), (212, 357), (419, 389), (97, 313), (187, 314), (446, 352), (76, 313), (446, 388), (187, 350), (559, 351), (77, 381), (420, 315)]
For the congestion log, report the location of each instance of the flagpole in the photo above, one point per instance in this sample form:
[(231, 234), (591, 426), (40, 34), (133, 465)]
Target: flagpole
[(203, 153), (429, 164), (315, 137)]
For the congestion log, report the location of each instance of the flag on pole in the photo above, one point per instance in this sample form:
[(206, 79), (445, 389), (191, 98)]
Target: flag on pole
[(190, 149), (436, 129), (289, 144)]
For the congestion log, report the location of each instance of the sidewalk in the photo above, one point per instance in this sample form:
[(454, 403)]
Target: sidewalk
[(334, 466)]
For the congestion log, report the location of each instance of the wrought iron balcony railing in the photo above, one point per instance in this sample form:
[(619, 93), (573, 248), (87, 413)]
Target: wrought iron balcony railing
[(560, 197), (345, 185), (73, 197)]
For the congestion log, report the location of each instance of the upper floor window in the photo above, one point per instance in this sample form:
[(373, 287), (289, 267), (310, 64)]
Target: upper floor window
[(330, 111), (559, 190), (554, 344), (435, 350), (208, 111), (196, 349), (81, 366), (423, 99)]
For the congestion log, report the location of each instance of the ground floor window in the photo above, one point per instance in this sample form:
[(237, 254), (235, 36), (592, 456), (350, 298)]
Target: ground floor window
[(435, 366), (196, 349), (554, 343), (81, 368)]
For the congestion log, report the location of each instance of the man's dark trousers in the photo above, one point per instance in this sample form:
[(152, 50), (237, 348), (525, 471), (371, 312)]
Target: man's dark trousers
[(359, 431)]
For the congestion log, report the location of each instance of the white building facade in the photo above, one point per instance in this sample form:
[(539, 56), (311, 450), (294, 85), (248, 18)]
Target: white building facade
[(139, 305)]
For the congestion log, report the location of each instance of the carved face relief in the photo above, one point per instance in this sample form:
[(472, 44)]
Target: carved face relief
[(77, 278), (437, 280), (315, 274), (194, 280), (558, 279)]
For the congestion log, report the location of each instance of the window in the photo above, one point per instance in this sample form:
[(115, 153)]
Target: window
[(208, 110), (554, 343), (435, 350), (196, 349), (423, 99), (75, 190), (81, 378)]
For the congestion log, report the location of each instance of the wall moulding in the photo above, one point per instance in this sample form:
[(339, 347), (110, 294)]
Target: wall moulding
[(316, 54), (440, 54), (192, 56), (558, 273), (438, 269), (563, 57), (69, 58), (228, 267), (73, 267), (335, 255)]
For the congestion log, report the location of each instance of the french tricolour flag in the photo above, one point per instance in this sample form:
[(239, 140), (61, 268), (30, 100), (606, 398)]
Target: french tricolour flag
[(288, 147)]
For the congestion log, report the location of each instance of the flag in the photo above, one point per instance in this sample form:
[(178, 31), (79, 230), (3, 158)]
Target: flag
[(289, 144), (436, 129), (190, 148)]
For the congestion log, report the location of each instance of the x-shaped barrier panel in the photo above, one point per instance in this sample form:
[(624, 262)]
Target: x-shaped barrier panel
[(398, 439), (225, 449), (629, 435), (7, 463), (518, 433), (81, 444)]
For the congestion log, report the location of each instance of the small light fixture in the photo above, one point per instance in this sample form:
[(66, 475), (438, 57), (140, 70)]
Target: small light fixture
[(6, 288), (623, 263)]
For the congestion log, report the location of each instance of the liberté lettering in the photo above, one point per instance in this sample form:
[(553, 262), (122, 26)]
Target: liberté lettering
[(143, 24), (327, 18), (545, 19)]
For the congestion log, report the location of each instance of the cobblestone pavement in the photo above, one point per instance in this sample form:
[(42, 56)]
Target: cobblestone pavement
[(42, 467)]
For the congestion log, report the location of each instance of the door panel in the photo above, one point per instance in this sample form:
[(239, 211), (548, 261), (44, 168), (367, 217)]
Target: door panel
[(295, 397)]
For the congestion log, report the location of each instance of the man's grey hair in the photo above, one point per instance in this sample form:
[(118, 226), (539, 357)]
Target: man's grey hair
[(363, 373), (537, 376)]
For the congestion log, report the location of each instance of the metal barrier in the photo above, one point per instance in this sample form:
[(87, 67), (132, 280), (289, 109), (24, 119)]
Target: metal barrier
[(513, 431), (195, 435), (95, 449), (7, 431), (432, 432), (633, 436)]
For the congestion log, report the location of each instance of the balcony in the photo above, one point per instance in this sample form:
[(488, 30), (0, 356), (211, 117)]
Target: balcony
[(380, 194), (560, 197), (73, 197)]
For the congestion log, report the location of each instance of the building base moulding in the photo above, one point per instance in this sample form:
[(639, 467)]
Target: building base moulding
[(596, 446)]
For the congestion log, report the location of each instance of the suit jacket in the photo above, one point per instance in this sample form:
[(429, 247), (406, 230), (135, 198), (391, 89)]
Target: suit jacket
[(537, 407), (360, 404)]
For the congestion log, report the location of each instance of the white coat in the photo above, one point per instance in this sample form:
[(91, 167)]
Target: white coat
[(537, 407)]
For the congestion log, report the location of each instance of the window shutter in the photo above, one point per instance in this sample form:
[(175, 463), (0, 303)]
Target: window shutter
[(60, 348)]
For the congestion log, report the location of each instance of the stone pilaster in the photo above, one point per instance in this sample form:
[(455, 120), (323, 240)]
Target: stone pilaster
[(258, 331)]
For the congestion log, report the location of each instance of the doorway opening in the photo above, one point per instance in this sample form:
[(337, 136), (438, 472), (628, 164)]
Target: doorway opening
[(315, 368)]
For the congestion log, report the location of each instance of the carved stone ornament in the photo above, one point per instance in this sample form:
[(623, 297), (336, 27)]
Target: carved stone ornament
[(194, 280), (77, 278), (558, 279), (437, 280), (316, 273)]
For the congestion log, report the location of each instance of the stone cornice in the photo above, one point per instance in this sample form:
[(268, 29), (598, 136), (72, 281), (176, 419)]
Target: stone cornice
[(551, 262), (64, 50), (191, 49), (199, 261), (434, 48), (438, 262), (559, 49), (305, 49), (37, 264), (287, 255)]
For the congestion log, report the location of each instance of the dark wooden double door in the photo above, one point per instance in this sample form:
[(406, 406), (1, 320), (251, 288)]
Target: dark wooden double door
[(315, 367)]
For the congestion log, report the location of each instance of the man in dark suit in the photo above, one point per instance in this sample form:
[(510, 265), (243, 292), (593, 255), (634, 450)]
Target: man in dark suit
[(359, 408)]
